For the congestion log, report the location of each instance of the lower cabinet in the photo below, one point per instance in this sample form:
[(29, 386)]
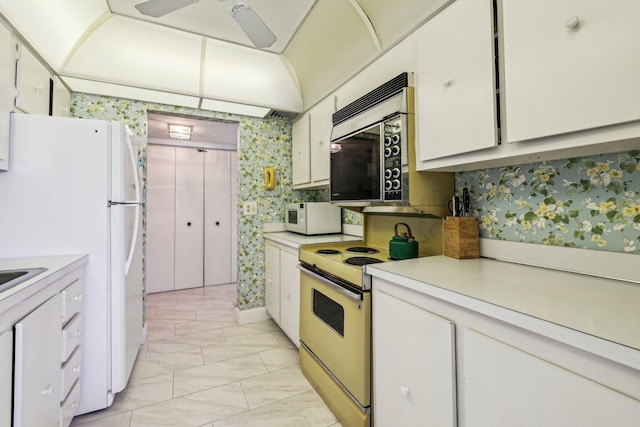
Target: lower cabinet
[(413, 365), (6, 377), (40, 359), (282, 288), (489, 373)]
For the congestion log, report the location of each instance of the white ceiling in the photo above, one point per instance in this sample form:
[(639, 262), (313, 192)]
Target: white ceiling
[(198, 56)]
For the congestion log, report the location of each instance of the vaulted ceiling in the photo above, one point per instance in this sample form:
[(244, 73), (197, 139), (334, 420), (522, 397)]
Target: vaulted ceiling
[(199, 57)]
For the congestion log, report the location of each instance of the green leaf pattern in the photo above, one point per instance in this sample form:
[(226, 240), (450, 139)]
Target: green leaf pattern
[(580, 202)]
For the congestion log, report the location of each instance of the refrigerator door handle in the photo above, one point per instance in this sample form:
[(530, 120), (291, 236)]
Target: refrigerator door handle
[(134, 237)]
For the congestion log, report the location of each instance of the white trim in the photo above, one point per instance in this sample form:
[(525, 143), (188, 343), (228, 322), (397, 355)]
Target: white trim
[(609, 265), (251, 315)]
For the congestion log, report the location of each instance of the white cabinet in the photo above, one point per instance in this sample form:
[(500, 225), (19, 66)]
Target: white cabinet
[(508, 386), (413, 365), (61, 99), (569, 66), (282, 288), (311, 136), (33, 82), (6, 377), (272, 281), (455, 82), (38, 346), (290, 296), (502, 374), (7, 90)]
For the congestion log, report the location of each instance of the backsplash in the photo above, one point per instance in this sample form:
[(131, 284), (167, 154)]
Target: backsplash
[(591, 202), (262, 143)]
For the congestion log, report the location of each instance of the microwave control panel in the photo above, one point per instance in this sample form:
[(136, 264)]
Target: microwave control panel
[(392, 153)]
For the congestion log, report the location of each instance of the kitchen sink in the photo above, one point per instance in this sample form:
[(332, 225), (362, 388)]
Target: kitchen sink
[(11, 278)]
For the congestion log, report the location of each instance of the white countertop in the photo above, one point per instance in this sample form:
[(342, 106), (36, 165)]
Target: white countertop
[(56, 267), (294, 240), (543, 300)]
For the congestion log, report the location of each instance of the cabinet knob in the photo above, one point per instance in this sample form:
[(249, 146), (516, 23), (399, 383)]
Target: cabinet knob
[(404, 390), (76, 370), (572, 23), (447, 83), (78, 298), (47, 391), (320, 142), (217, 223), (189, 224)]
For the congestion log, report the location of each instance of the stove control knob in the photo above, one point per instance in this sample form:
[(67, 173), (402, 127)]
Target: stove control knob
[(395, 150), (387, 152), (387, 141), (388, 185), (396, 184), (388, 174), (396, 138), (395, 172)]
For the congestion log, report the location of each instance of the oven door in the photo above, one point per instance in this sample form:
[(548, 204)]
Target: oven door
[(335, 325)]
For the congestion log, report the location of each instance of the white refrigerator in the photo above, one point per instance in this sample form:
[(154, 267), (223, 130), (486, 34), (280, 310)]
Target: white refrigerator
[(72, 188)]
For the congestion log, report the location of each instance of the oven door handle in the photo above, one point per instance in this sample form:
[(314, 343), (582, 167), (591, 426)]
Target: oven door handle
[(346, 292)]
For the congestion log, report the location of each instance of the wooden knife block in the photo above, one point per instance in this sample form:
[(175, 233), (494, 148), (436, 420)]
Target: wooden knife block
[(461, 237)]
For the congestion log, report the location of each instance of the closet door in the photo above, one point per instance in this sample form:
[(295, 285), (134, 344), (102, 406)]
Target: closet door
[(161, 177), (218, 239), (189, 224)]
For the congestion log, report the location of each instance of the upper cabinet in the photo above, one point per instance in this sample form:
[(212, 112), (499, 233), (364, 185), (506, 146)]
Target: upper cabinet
[(61, 99), (33, 81), (455, 82), (569, 66), (311, 140), (7, 90)]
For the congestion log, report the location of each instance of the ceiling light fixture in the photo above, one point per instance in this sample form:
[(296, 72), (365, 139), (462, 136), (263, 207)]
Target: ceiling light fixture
[(180, 132)]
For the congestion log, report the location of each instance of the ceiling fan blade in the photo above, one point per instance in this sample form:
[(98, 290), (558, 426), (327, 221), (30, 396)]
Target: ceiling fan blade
[(158, 8), (257, 31)]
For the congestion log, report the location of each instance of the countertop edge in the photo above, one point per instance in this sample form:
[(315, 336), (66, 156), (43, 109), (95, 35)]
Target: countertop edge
[(602, 347)]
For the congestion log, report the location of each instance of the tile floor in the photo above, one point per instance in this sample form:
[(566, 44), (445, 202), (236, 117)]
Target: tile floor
[(199, 368)]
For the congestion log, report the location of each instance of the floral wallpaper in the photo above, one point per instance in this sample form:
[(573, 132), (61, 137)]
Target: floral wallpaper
[(591, 202), (263, 142)]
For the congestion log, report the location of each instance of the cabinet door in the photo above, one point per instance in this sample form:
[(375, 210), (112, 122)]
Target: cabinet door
[(6, 377), (160, 218), (272, 281), (505, 386), (189, 218), (455, 81), (7, 90), (320, 130), (290, 296), (217, 223), (61, 99), (37, 376), (300, 151), (413, 365), (569, 65), (33, 82)]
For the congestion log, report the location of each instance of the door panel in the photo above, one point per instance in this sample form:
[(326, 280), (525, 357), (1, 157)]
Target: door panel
[(217, 224), (189, 242), (161, 177)]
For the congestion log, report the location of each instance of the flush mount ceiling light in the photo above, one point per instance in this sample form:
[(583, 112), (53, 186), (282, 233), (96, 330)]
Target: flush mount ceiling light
[(248, 20), (179, 132)]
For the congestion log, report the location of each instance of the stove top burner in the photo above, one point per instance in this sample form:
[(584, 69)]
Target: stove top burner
[(361, 260), (362, 250), (328, 251)]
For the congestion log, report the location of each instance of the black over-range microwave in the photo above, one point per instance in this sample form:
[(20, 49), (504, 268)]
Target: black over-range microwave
[(369, 147)]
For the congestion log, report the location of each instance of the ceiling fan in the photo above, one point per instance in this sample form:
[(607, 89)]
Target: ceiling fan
[(248, 20)]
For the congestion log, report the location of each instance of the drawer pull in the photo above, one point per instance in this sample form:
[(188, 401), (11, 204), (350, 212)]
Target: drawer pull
[(404, 390), (572, 23)]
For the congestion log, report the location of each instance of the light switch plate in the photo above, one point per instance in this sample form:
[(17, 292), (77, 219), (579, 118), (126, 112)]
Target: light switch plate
[(250, 208)]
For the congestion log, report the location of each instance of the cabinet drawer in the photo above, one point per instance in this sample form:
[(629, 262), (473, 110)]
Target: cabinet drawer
[(70, 406), (71, 372), (72, 300), (71, 336)]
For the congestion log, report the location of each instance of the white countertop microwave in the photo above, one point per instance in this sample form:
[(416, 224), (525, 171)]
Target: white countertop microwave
[(313, 218)]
